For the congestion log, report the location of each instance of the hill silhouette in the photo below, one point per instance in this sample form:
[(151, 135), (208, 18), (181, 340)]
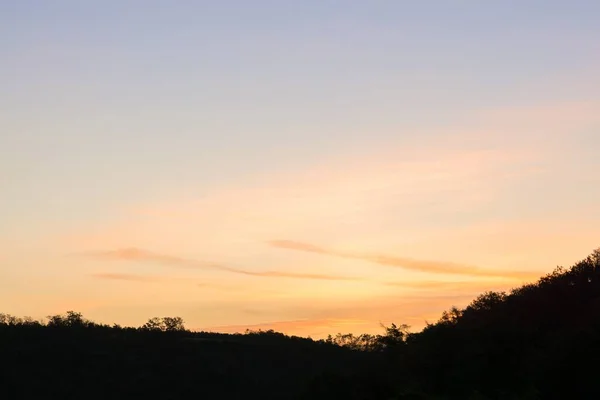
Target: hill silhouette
[(538, 341)]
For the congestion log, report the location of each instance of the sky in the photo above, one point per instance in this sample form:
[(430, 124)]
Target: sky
[(312, 166)]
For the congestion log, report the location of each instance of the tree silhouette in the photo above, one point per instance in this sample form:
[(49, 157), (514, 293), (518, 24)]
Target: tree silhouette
[(173, 324), (154, 324), (164, 324), (537, 341)]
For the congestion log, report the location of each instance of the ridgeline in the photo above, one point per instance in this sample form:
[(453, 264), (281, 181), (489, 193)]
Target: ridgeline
[(539, 341)]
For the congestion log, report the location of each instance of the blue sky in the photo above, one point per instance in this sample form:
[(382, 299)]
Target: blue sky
[(114, 110)]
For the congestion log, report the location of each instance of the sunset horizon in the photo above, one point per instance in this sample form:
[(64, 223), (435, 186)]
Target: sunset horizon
[(310, 167)]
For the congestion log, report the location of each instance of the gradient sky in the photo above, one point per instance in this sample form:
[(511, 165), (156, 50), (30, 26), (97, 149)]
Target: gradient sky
[(310, 166)]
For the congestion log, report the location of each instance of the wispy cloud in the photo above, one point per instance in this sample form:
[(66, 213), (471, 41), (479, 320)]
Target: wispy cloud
[(477, 286), (135, 254), (302, 327), (319, 318), (437, 267), (280, 274), (127, 277), (163, 279)]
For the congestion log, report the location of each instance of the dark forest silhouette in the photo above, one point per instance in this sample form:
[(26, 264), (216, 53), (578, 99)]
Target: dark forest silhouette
[(538, 341)]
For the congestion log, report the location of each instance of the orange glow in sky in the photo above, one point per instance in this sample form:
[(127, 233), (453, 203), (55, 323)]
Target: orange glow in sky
[(311, 181)]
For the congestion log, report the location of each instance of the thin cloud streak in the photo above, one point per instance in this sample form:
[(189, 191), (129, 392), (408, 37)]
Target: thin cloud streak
[(301, 326), (456, 286), (127, 277), (355, 316), (135, 254), (278, 274), (154, 279), (436, 267)]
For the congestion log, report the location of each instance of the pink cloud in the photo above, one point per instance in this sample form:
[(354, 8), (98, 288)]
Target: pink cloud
[(437, 267), (135, 254)]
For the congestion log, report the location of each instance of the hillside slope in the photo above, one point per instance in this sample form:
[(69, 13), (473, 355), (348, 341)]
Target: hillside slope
[(539, 341)]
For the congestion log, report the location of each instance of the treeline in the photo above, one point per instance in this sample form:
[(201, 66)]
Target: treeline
[(538, 341), (72, 319), (70, 357)]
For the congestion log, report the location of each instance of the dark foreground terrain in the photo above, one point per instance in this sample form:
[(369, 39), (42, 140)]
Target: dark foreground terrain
[(540, 341)]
